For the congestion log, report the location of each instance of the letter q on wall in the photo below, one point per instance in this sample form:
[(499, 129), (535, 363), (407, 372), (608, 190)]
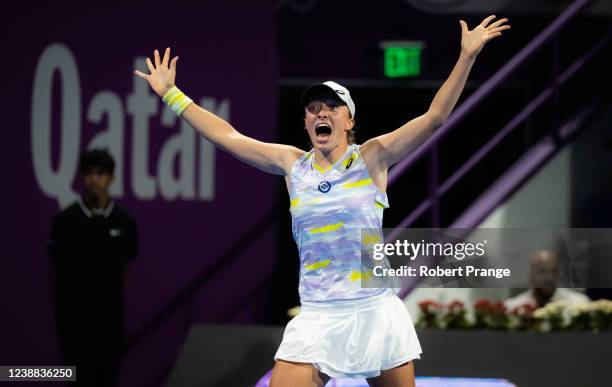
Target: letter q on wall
[(56, 183)]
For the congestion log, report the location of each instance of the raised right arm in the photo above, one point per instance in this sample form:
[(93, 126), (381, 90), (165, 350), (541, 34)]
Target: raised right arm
[(271, 158)]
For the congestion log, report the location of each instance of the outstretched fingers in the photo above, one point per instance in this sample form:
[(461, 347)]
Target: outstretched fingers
[(166, 57), (488, 20), (142, 75), (157, 61), (165, 62), (498, 22), (499, 29), (150, 65)]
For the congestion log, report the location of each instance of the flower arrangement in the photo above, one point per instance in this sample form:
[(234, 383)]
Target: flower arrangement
[(552, 316), (557, 316), (601, 315), (521, 318), (437, 315), (595, 316), (456, 316), (490, 315), (430, 316)]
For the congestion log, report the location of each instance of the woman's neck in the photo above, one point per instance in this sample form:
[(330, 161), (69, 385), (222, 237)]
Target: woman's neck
[(325, 159)]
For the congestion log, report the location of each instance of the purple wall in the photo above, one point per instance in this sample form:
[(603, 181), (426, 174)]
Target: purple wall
[(70, 86)]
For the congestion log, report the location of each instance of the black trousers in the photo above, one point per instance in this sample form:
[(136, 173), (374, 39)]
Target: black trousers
[(91, 335)]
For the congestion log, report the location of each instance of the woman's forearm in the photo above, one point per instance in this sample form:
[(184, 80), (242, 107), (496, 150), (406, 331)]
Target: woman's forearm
[(213, 128), (446, 98), (271, 158)]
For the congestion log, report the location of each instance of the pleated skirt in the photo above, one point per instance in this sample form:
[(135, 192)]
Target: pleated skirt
[(353, 338)]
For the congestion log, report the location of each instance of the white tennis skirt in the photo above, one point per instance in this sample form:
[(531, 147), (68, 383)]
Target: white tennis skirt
[(351, 339)]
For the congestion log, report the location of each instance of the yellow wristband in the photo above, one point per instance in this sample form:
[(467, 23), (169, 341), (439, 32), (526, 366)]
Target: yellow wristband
[(176, 100)]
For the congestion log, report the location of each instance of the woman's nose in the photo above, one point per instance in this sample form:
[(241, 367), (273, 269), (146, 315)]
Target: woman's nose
[(323, 112)]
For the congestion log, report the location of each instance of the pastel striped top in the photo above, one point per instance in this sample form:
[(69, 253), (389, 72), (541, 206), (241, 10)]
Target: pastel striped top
[(329, 209)]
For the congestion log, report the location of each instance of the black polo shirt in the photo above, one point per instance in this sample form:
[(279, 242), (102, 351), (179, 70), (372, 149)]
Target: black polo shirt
[(91, 248)]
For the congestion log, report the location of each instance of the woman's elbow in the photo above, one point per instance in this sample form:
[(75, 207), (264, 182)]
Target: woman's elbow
[(436, 119)]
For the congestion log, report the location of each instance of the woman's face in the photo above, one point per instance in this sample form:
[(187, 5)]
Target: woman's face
[(327, 123)]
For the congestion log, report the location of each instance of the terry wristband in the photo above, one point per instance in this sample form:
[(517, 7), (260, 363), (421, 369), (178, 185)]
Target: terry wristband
[(176, 100)]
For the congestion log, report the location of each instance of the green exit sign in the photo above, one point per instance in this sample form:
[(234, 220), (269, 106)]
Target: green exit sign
[(402, 59)]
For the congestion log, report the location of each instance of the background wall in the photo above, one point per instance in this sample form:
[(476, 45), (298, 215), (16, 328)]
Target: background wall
[(69, 85)]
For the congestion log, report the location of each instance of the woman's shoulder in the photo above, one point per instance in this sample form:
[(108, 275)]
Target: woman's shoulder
[(290, 156), (304, 157)]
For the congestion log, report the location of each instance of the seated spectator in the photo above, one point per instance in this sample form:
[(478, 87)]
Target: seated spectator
[(543, 278)]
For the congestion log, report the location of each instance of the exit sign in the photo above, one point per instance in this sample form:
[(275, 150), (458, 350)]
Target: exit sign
[(402, 58)]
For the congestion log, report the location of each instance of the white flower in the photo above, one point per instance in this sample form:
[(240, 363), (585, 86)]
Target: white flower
[(550, 309), (602, 306), (578, 309)]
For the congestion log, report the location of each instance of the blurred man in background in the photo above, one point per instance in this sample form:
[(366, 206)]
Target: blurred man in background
[(543, 278), (90, 244)]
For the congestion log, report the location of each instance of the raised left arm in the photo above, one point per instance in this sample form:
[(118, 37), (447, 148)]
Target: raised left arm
[(383, 151)]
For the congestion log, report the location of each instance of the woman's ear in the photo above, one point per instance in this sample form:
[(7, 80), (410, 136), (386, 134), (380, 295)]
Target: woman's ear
[(351, 123)]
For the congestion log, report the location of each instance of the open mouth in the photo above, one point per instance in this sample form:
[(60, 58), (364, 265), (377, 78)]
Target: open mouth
[(323, 131)]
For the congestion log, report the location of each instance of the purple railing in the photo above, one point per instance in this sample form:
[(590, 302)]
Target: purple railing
[(431, 145), (477, 212)]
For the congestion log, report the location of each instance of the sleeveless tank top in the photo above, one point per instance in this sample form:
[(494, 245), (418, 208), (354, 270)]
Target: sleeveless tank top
[(329, 209)]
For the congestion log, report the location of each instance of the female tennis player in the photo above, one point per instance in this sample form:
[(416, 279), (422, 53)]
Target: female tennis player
[(336, 189)]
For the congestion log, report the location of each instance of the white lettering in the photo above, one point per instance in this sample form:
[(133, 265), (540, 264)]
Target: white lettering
[(176, 164), (107, 103), (56, 183)]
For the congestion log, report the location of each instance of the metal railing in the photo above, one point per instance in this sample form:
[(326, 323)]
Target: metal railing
[(527, 166), (431, 145)]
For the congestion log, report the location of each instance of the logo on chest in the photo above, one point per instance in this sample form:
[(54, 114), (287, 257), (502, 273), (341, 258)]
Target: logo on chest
[(324, 186)]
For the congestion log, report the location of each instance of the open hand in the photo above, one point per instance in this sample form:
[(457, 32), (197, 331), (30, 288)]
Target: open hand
[(473, 41), (162, 75)]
